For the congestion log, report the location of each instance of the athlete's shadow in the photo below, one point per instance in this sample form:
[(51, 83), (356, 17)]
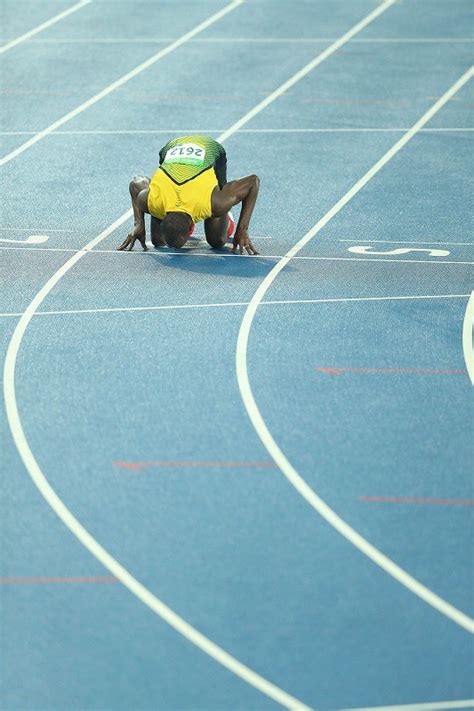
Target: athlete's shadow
[(220, 262)]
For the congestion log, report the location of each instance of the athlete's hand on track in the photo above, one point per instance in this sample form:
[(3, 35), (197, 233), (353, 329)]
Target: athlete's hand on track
[(138, 233), (242, 241)]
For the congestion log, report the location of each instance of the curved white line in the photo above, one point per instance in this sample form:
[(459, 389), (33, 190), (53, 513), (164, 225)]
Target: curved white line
[(305, 490), (262, 430), (34, 470), (467, 347)]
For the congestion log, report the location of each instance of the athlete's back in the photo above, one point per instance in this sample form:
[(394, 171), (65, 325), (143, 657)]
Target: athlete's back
[(182, 159)]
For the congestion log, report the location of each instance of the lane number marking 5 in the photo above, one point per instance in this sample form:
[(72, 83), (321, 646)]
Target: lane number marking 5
[(400, 250)]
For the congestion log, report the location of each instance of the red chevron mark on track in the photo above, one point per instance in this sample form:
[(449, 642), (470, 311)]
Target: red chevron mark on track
[(416, 500), (422, 371), (192, 464)]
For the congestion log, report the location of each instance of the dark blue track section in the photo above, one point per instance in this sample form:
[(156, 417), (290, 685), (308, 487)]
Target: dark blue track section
[(126, 383)]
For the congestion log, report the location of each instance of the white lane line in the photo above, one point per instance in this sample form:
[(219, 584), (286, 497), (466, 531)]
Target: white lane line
[(231, 255), (248, 116), (125, 309), (33, 229), (429, 706), (416, 40), (413, 241), (34, 470), (346, 299), (50, 249), (295, 479), (400, 260), (249, 40), (52, 21), (308, 67), (210, 131), (132, 309), (467, 345), (120, 82)]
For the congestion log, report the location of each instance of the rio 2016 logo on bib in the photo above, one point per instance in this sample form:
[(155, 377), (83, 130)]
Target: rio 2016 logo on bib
[(189, 153)]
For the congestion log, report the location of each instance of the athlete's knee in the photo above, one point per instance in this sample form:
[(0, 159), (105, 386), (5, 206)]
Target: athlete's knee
[(217, 242)]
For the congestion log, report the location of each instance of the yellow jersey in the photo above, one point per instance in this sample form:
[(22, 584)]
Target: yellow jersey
[(192, 197)]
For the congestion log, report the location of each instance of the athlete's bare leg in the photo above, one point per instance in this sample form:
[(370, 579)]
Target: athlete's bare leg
[(216, 230)]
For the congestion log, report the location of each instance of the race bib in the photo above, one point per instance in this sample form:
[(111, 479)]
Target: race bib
[(189, 153)]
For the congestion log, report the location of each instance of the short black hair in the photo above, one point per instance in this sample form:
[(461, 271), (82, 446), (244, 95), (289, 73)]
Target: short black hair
[(174, 227)]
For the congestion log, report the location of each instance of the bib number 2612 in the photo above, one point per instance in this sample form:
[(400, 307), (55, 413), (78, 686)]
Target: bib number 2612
[(189, 153)]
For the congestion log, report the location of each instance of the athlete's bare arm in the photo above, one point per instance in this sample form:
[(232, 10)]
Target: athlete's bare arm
[(139, 189), (244, 190)]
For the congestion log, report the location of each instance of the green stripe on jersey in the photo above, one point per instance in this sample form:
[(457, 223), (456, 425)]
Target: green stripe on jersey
[(186, 157)]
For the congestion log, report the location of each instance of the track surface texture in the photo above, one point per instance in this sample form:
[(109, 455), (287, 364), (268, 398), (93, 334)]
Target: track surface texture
[(238, 483)]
